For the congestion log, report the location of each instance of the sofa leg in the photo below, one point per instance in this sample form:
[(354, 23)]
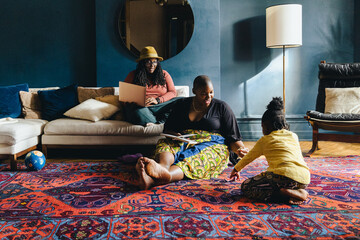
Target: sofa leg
[(44, 150), (14, 157), (13, 162), (315, 141)]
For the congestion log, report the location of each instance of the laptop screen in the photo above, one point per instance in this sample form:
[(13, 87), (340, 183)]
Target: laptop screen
[(132, 93)]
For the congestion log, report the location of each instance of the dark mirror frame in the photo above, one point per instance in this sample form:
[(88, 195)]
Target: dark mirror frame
[(165, 24)]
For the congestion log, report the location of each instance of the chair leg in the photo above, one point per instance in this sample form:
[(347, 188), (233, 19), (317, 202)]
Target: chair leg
[(315, 140)]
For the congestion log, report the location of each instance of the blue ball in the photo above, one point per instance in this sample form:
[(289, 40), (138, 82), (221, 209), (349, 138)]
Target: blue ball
[(35, 160)]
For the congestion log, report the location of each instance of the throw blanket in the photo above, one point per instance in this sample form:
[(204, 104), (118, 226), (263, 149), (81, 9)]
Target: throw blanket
[(207, 159)]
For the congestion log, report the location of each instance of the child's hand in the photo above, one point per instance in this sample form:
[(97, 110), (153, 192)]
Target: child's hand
[(234, 175)]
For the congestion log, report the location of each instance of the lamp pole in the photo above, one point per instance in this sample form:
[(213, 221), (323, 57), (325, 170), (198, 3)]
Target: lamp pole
[(284, 77)]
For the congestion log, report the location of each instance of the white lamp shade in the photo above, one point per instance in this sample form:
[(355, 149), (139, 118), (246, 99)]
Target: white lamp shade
[(284, 26)]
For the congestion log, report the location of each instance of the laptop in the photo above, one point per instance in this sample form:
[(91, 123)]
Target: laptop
[(129, 92)]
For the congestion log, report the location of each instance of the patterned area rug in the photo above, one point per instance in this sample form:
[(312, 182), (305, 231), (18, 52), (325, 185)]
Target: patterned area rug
[(97, 201)]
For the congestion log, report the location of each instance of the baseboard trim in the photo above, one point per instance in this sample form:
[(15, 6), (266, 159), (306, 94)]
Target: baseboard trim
[(251, 130)]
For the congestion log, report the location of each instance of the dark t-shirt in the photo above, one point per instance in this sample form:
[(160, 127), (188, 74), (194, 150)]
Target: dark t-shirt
[(219, 119)]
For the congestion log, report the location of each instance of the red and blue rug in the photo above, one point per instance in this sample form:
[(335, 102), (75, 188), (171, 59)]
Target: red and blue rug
[(97, 201)]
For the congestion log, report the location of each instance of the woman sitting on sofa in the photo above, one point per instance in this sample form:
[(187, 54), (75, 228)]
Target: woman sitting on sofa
[(214, 128), (160, 89)]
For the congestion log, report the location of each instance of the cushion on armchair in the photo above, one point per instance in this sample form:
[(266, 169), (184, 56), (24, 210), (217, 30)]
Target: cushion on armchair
[(342, 100), (338, 91), (336, 75), (333, 116)]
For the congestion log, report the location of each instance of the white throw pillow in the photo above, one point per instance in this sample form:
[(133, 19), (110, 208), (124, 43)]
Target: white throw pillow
[(342, 100), (92, 110)]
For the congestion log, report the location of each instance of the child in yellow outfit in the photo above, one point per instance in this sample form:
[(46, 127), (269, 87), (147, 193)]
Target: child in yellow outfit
[(287, 176)]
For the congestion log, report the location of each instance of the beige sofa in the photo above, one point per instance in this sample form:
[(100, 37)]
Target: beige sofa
[(19, 136), (76, 133)]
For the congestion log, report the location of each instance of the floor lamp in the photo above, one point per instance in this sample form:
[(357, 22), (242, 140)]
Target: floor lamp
[(284, 29)]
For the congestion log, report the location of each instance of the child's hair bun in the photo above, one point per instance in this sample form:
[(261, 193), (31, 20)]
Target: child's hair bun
[(276, 104)]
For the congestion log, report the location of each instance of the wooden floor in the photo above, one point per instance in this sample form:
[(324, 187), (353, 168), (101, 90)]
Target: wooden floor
[(327, 149)]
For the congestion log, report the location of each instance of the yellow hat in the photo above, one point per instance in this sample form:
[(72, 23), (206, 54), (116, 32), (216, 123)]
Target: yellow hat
[(148, 52)]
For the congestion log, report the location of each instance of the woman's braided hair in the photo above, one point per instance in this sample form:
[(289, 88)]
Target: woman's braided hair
[(142, 77), (274, 117)]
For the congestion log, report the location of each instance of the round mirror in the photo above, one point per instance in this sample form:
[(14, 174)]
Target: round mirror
[(166, 25)]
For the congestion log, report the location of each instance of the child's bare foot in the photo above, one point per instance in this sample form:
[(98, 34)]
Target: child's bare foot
[(297, 196), (156, 171), (145, 181)]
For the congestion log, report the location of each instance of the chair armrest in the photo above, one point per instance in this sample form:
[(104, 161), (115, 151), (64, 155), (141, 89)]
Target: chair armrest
[(333, 116)]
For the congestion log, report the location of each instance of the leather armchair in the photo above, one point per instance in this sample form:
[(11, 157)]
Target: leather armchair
[(344, 127)]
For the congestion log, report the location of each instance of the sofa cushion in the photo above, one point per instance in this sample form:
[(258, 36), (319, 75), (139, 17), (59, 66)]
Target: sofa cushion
[(10, 105), (92, 110), (20, 129), (85, 93), (114, 100), (55, 102), (43, 89), (69, 126), (31, 105), (182, 91), (108, 140), (342, 100), (19, 146)]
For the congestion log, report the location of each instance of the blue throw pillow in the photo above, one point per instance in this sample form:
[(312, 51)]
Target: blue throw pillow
[(10, 105), (54, 103)]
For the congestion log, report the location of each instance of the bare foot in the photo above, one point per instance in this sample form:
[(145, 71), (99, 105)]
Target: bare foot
[(145, 181), (294, 201), (297, 196), (156, 171)]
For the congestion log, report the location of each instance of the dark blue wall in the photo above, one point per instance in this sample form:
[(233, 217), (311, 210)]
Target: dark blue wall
[(251, 74), (59, 42), (356, 30), (47, 43)]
